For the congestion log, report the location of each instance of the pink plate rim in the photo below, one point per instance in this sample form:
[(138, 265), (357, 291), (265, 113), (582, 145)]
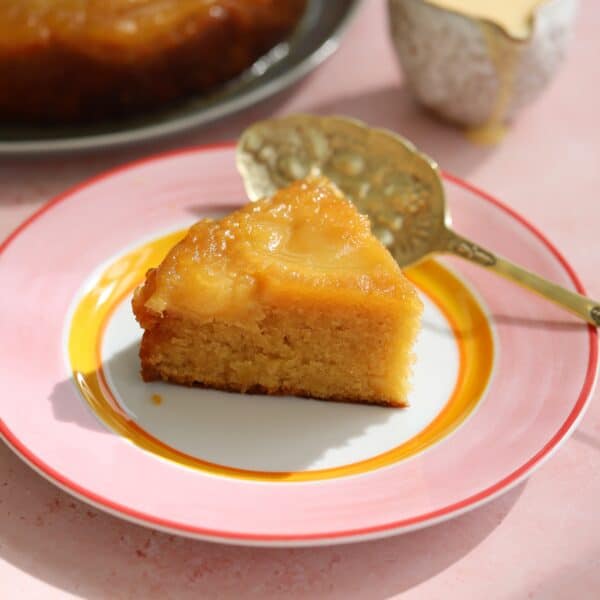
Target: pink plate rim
[(357, 534)]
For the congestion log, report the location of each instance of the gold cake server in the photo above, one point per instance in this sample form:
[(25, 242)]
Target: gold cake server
[(398, 187)]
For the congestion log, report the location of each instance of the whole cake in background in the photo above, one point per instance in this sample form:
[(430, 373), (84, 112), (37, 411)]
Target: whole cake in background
[(75, 61), (288, 295)]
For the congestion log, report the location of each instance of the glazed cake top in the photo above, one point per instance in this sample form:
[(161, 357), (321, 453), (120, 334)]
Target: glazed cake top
[(306, 239)]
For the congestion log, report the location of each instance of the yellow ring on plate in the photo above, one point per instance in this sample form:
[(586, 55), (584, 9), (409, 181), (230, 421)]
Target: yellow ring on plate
[(469, 324)]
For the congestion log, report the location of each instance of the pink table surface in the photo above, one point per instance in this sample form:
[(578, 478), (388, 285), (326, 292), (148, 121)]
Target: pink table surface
[(542, 540)]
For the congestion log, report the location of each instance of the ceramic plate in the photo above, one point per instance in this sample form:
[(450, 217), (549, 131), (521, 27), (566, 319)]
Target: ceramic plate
[(314, 40), (502, 378)]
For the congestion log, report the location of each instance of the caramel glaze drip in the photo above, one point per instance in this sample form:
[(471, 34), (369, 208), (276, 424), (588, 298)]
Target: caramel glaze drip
[(504, 25)]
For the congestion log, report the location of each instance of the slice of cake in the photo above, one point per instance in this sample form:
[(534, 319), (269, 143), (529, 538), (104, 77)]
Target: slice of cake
[(288, 295)]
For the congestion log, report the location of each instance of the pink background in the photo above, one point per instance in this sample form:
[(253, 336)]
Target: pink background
[(541, 540)]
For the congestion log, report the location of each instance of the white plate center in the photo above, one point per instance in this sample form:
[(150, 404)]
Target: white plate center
[(266, 433)]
